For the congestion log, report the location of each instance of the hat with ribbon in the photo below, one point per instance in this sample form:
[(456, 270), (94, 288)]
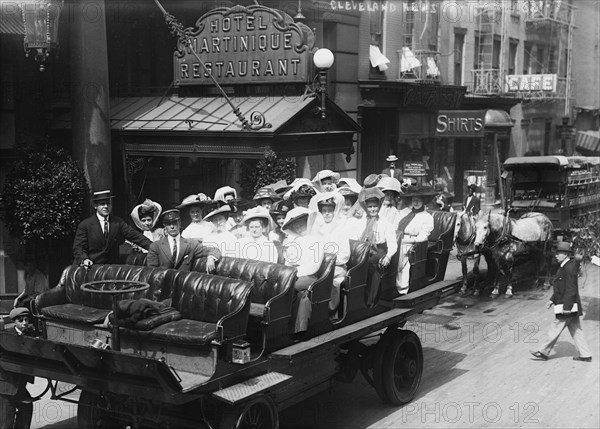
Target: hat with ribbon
[(223, 210), (148, 207), (324, 174), (369, 194), (279, 187), (392, 158), (171, 216), (194, 200), (426, 193), (18, 312), (222, 192), (279, 208), (102, 195), (304, 191), (266, 193), (371, 180)]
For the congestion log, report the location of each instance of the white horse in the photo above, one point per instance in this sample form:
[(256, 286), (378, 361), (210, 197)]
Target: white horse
[(506, 238)]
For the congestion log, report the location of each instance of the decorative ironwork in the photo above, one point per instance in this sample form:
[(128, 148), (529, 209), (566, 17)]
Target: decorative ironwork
[(186, 41), (135, 165)]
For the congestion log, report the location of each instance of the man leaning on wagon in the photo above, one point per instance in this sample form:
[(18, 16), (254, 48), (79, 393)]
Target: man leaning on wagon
[(98, 237), (174, 251)]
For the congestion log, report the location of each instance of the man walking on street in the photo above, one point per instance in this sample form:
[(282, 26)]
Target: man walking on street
[(98, 237), (567, 306)]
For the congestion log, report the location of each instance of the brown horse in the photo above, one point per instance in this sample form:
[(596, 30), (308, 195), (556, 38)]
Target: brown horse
[(464, 239), (508, 239)]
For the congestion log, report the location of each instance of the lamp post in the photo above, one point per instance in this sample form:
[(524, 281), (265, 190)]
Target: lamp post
[(323, 60), (40, 18)]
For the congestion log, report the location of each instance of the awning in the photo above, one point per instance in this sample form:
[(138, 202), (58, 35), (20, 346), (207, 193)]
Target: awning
[(529, 161), (588, 140), (208, 127), (11, 20)]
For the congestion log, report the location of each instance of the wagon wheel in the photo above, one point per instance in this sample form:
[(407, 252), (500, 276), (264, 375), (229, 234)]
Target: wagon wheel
[(89, 416), (259, 413), (399, 375)]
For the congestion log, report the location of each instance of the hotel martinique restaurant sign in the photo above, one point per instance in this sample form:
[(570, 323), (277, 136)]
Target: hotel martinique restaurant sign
[(253, 44)]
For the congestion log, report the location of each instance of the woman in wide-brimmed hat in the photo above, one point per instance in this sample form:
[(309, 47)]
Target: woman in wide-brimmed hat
[(278, 212), (256, 245), (304, 250), (332, 231), (266, 197), (326, 180), (220, 237), (381, 236), (413, 228), (392, 191), (145, 216), (196, 205)]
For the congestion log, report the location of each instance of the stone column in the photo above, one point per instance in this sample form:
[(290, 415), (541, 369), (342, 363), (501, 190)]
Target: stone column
[(90, 91)]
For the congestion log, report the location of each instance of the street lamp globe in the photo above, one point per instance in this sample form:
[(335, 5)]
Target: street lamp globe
[(323, 58)]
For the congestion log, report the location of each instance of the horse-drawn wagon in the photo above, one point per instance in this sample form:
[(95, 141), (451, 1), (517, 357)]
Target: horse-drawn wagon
[(216, 350), (563, 188)]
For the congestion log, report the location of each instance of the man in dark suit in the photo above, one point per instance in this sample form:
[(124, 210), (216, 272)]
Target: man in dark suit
[(566, 294), (392, 171), (98, 237), (16, 408), (174, 251), (472, 203)]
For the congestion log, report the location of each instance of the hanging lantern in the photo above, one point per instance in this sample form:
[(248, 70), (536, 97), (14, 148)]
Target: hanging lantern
[(40, 18)]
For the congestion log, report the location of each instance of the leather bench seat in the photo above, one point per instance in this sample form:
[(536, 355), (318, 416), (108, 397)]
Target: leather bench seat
[(76, 313), (205, 306), (184, 332)]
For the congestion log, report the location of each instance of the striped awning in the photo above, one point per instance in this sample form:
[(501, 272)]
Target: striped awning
[(588, 140), (11, 20)]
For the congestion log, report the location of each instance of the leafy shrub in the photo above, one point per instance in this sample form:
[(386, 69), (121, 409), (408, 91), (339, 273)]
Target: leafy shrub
[(268, 170), (44, 195), (586, 236)]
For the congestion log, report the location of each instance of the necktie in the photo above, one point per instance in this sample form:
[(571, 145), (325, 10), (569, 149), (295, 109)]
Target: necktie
[(106, 229), (369, 233), (174, 253)]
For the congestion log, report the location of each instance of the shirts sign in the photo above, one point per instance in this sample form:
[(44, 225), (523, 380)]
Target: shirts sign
[(253, 44), (460, 123)]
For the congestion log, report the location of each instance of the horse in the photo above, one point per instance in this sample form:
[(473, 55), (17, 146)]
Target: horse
[(509, 239), (464, 238)]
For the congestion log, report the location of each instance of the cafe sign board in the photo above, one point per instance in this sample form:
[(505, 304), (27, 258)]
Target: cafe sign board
[(253, 44), (460, 123)]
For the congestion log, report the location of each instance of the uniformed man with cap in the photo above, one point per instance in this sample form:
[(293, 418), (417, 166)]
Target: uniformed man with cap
[(174, 251), (98, 237), (16, 407)]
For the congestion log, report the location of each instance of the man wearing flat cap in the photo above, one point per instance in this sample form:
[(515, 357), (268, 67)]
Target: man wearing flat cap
[(16, 407), (98, 237), (567, 306), (174, 251), (392, 171)]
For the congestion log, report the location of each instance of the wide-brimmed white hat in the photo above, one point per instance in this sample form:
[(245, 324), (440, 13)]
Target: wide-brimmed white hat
[(324, 174), (389, 184), (298, 213), (224, 210), (258, 213), (147, 206), (192, 200), (225, 190)]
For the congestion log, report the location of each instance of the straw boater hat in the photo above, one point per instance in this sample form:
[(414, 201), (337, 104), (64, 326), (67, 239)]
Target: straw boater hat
[(563, 247), (298, 213), (225, 190), (224, 210), (141, 210), (266, 193), (258, 213), (392, 158), (102, 195), (390, 184), (194, 200)]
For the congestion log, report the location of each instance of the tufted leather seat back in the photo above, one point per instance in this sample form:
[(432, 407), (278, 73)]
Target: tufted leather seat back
[(74, 276), (207, 298), (327, 265), (443, 228), (268, 279), (359, 253)]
